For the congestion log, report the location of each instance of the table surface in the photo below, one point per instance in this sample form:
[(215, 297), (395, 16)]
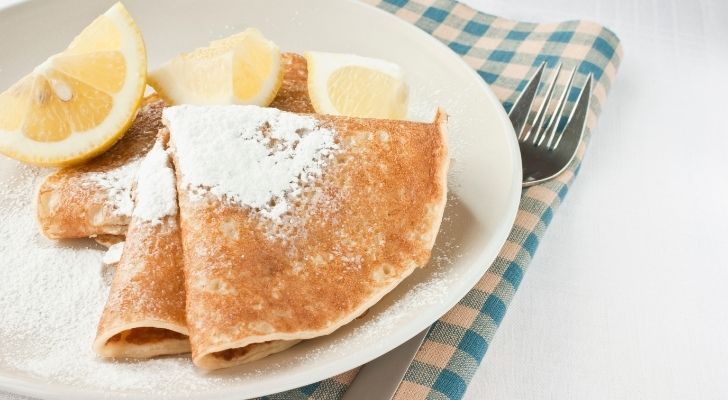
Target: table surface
[(625, 298)]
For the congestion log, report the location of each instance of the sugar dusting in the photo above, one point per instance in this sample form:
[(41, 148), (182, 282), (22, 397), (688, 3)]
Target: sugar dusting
[(51, 297), (421, 295), (274, 153), (113, 254), (156, 194), (118, 183)]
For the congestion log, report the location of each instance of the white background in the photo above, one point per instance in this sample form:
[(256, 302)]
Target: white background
[(627, 297)]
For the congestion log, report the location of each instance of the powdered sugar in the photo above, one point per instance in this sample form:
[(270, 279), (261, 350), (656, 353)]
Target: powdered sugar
[(421, 295), (113, 254), (51, 297), (252, 156), (156, 194), (118, 183)]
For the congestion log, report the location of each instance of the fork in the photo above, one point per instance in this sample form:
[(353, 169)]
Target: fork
[(546, 150)]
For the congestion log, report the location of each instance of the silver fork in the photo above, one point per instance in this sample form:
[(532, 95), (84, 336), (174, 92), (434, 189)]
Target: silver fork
[(546, 151)]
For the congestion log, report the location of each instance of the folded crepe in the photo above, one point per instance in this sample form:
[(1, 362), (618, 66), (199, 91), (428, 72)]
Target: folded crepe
[(145, 313), (94, 199), (144, 316), (293, 225)]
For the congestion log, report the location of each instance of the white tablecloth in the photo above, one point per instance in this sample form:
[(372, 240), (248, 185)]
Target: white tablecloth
[(626, 297)]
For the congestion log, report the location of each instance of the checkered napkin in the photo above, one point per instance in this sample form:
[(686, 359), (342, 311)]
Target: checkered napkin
[(505, 53)]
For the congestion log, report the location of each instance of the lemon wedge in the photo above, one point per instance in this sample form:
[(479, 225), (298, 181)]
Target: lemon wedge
[(79, 102), (355, 86), (244, 68)]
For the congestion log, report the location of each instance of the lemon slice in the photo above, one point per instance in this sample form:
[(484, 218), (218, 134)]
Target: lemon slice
[(244, 68), (355, 86), (79, 102)]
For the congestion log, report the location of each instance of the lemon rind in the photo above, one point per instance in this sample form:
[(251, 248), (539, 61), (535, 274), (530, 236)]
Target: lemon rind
[(81, 146)]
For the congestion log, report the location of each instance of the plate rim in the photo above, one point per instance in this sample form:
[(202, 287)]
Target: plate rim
[(35, 387)]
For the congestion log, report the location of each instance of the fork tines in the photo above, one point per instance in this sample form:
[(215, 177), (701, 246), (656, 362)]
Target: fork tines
[(541, 127)]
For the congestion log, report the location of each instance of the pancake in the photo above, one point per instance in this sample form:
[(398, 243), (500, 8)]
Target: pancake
[(145, 313), (293, 225), (94, 199)]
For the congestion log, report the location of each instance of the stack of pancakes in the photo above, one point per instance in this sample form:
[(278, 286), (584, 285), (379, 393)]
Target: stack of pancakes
[(210, 278)]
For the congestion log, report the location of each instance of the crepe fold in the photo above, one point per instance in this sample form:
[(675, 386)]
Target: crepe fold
[(94, 199), (256, 286), (145, 313)]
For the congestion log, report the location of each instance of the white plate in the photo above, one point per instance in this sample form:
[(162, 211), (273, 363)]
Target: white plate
[(484, 184)]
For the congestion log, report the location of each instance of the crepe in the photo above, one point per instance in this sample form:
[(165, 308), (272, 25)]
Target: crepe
[(145, 312), (95, 198), (344, 210)]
